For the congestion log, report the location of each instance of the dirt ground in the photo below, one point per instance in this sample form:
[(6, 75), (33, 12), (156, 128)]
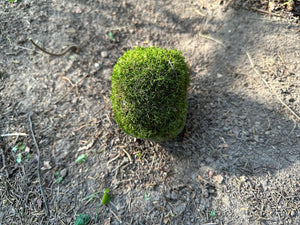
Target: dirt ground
[(239, 160)]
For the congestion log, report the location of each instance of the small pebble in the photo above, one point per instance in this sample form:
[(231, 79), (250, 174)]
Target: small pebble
[(64, 172), (104, 54), (97, 65), (173, 196)]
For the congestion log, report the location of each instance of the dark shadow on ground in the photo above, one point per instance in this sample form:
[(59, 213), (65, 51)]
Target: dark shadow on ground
[(230, 132)]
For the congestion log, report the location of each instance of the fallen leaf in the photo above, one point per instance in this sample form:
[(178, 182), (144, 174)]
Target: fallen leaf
[(106, 197), (212, 213), (218, 179), (166, 219), (27, 149), (78, 10), (225, 145), (19, 158), (200, 178), (46, 166), (271, 6), (59, 180), (39, 202), (210, 173), (82, 219), (82, 158)]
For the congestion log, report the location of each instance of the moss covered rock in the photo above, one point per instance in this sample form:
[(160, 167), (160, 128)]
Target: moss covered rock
[(149, 89)]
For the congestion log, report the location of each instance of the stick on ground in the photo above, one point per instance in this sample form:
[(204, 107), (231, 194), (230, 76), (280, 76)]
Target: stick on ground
[(38, 164)]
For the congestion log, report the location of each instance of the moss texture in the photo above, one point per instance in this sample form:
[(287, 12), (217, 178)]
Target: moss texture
[(149, 89)]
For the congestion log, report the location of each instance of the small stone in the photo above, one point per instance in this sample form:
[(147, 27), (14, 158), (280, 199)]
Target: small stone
[(219, 75), (64, 172), (173, 196), (265, 185), (180, 208), (211, 191), (97, 65), (202, 205), (104, 54), (293, 213)]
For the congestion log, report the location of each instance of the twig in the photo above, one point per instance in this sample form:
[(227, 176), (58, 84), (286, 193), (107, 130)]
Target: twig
[(91, 195), (70, 89), (113, 159), (3, 162), (14, 134), (68, 80), (75, 47), (266, 12), (120, 221), (128, 155), (200, 13), (210, 38), (270, 87), (38, 164)]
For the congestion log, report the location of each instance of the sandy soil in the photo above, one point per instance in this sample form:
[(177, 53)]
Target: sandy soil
[(239, 160)]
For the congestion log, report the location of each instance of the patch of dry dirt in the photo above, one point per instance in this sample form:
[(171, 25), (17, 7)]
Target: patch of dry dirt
[(239, 160)]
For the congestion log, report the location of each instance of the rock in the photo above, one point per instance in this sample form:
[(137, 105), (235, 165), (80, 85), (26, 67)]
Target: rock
[(64, 172), (219, 75), (104, 54), (173, 196), (180, 207)]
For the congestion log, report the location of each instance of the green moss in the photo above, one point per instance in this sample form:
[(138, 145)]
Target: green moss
[(149, 88)]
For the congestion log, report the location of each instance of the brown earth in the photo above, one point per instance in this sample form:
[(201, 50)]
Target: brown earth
[(239, 160)]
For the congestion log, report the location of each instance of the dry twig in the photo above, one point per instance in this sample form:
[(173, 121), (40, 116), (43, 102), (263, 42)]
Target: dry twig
[(71, 89), (211, 38), (128, 155), (14, 134), (38, 164), (270, 87), (266, 12)]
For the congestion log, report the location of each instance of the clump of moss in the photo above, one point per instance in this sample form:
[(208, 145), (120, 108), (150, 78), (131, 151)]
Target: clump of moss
[(149, 89)]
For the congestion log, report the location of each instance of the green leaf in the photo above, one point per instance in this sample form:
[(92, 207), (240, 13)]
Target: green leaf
[(19, 158), (212, 213), (28, 156), (139, 154), (106, 197), (59, 180), (56, 173), (147, 197), (21, 147), (111, 35), (82, 158), (82, 219)]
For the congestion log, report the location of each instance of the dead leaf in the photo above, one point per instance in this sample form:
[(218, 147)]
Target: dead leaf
[(166, 219), (200, 178), (218, 179), (210, 173), (39, 202), (271, 6), (78, 10), (225, 145), (46, 165), (27, 149)]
